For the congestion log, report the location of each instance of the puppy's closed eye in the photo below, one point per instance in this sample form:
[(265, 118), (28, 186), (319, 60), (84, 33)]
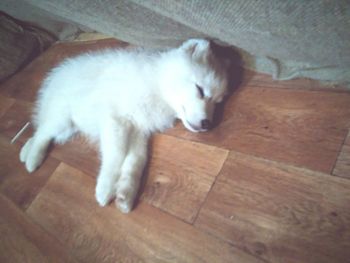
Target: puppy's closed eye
[(200, 91)]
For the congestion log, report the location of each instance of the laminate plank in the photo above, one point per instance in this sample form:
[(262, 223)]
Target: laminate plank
[(257, 79), (299, 127), (79, 153), (5, 104), (15, 118), (279, 213), (15, 182), (342, 167), (66, 208), (177, 179), (23, 241), (180, 175)]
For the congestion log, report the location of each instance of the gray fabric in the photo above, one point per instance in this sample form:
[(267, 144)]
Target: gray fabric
[(26, 12), (122, 19), (19, 44), (284, 38)]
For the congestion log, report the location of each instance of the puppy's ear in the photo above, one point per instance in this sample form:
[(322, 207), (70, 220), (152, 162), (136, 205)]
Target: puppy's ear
[(197, 48), (226, 62)]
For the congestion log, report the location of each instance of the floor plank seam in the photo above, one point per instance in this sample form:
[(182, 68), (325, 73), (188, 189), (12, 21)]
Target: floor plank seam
[(231, 244), (193, 141), (304, 169), (325, 89), (211, 187), (338, 155), (262, 158), (43, 186), (31, 220), (67, 250), (164, 211)]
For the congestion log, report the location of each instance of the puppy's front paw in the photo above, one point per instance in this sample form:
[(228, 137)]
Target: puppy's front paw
[(24, 151), (31, 159), (125, 199), (104, 193), (33, 162)]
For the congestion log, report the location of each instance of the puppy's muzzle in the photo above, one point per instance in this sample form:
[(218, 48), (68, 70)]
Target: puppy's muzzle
[(206, 124)]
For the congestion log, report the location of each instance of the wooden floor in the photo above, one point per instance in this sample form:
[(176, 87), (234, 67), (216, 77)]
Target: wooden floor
[(270, 184)]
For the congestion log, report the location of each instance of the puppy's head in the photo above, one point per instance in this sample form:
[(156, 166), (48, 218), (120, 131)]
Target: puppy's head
[(199, 83)]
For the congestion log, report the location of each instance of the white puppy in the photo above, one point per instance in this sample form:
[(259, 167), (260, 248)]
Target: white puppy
[(118, 98)]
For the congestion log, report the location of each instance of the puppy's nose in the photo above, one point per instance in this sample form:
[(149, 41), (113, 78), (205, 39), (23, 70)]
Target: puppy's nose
[(206, 124)]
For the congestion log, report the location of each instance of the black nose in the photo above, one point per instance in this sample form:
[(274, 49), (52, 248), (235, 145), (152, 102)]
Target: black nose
[(206, 124)]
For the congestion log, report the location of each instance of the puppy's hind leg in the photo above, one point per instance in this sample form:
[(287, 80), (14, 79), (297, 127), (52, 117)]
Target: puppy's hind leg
[(132, 169), (113, 146), (34, 150)]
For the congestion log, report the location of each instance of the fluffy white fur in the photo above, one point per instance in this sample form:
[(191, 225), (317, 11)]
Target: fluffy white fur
[(118, 98)]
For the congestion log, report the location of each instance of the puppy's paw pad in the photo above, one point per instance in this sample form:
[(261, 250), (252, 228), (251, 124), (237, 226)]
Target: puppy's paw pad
[(124, 200), (123, 205), (103, 195)]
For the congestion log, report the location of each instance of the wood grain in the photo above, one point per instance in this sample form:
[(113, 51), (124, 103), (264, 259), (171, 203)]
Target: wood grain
[(178, 178), (23, 241), (299, 127), (180, 175), (255, 210), (15, 118), (66, 208), (279, 213), (342, 167), (5, 104), (79, 153), (256, 79), (15, 182)]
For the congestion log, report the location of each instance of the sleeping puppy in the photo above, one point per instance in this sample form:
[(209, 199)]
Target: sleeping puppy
[(118, 98)]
